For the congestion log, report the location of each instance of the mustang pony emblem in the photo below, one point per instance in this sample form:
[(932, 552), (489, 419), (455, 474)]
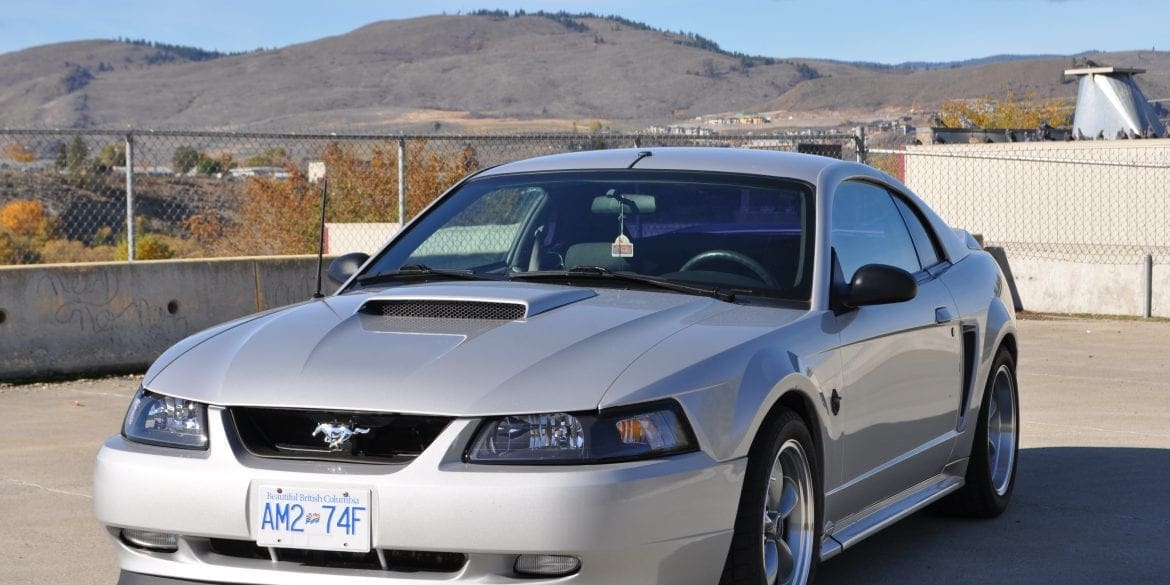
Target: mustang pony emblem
[(337, 435)]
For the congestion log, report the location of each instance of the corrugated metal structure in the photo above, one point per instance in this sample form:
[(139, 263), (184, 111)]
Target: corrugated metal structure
[(1111, 105)]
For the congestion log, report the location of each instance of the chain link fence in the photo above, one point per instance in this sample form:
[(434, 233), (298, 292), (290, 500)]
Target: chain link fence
[(1096, 202), (97, 195)]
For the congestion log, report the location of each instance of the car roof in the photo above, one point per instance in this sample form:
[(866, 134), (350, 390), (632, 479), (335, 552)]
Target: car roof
[(804, 167)]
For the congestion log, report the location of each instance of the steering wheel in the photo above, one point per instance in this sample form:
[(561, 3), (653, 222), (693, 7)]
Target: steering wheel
[(735, 258)]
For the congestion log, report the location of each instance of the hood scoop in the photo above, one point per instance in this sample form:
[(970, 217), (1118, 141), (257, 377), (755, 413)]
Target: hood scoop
[(481, 301), (443, 309)]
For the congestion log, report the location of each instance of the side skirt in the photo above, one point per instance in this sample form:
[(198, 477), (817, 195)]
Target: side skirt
[(883, 514)]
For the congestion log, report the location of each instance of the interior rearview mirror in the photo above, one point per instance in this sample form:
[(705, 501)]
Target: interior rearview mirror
[(634, 204)]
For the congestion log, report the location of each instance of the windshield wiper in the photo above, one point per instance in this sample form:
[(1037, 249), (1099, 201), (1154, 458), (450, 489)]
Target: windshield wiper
[(599, 272), (408, 271)]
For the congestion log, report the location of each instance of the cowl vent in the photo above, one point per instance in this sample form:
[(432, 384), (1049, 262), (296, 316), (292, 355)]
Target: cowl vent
[(437, 309)]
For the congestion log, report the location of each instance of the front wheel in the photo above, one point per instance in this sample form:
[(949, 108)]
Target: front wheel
[(777, 529), (991, 471)]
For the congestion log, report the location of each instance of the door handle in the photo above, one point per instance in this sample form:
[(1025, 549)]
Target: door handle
[(943, 315)]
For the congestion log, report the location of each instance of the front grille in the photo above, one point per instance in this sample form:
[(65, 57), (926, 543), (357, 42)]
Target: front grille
[(304, 434), (406, 561), (440, 309)]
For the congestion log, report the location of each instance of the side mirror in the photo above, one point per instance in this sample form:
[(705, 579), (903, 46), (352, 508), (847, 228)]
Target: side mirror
[(878, 284), (343, 267)]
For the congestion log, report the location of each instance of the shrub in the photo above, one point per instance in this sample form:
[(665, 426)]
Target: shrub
[(147, 246), (20, 153), (27, 219), (184, 159), (64, 251)]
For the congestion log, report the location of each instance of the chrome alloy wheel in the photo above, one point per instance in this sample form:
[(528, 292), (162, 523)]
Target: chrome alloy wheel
[(788, 517), (1001, 429)]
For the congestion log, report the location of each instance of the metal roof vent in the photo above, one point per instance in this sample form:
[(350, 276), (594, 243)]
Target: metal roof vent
[(1110, 104)]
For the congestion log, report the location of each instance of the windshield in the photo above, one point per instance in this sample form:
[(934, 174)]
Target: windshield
[(745, 233)]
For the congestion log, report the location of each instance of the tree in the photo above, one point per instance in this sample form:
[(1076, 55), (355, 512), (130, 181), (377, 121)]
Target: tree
[(76, 153), (26, 218), (110, 156), (25, 227), (61, 158), (280, 215), (146, 247), (208, 166), (184, 159), (709, 68), (1010, 111)]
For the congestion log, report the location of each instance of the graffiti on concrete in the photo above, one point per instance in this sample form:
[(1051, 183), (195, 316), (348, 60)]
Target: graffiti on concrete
[(93, 301)]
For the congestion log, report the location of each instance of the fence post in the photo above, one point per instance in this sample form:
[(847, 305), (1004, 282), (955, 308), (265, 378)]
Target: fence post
[(1148, 273), (401, 183), (859, 142), (129, 197)]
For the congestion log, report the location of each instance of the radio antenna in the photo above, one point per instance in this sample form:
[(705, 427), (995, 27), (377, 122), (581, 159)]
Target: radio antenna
[(321, 237)]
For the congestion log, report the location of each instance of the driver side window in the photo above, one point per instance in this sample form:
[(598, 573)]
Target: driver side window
[(868, 229)]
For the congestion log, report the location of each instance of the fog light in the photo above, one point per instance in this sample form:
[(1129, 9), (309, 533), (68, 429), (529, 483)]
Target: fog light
[(157, 541), (547, 565)]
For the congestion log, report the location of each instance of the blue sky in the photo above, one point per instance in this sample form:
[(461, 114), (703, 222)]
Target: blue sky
[(855, 30)]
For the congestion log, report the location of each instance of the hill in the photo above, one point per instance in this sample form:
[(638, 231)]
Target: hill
[(470, 71)]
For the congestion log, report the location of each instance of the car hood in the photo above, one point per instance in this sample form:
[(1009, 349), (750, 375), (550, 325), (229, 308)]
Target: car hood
[(414, 349)]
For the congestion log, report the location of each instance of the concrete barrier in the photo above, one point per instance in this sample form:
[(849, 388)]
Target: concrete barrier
[(1102, 289), (68, 319)]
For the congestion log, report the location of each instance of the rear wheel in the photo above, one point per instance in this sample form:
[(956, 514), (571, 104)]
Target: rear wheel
[(991, 471), (777, 530)]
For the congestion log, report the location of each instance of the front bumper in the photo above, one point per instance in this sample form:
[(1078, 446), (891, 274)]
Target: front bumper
[(660, 521)]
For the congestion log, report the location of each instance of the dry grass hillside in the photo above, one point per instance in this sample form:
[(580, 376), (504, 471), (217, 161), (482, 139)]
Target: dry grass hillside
[(469, 72)]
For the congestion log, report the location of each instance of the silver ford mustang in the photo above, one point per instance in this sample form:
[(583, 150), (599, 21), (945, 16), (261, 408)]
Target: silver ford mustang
[(619, 367)]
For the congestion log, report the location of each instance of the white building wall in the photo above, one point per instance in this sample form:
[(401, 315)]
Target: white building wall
[(1076, 219)]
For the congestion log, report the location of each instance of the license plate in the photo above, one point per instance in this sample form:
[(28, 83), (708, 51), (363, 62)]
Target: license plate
[(313, 518)]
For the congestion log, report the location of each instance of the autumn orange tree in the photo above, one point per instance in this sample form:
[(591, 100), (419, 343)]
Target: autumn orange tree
[(25, 226), (19, 152), (1010, 111), (280, 215)]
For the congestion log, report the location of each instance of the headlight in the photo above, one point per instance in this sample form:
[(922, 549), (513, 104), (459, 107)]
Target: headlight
[(162, 420), (563, 438)]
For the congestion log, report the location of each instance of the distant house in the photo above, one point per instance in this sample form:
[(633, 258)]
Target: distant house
[(35, 166), (751, 119), (159, 171), (273, 172), (676, 130)]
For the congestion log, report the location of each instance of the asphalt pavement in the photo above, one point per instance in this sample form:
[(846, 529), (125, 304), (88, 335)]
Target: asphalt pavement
[(1091, 504)]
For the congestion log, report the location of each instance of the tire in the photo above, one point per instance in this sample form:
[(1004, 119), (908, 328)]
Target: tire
[(779, 515), (991, 470)]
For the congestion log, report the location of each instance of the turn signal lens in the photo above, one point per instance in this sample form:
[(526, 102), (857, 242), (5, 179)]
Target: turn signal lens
[(156, 541), (656, 430), (547, 565)]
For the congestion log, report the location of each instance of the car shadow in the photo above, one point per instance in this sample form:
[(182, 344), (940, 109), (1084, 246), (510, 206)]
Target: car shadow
[(1078, 515)]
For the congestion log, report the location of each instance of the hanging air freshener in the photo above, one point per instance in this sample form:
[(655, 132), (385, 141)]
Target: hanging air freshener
[(621, 247)]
